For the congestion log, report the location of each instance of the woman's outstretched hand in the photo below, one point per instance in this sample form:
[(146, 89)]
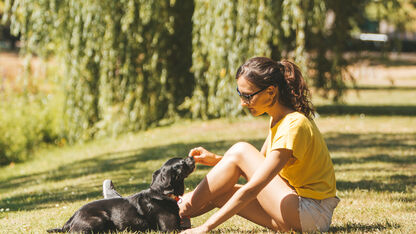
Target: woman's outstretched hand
[(204, 157)]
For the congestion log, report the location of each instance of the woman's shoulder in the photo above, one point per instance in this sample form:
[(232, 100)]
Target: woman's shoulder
[(293, 120), (296, 122), (296, 118)]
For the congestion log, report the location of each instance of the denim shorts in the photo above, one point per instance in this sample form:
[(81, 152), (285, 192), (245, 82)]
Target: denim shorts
[(316, 215)]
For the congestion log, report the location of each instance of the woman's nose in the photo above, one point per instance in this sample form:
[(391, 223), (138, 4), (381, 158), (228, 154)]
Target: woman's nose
[(243, 103)]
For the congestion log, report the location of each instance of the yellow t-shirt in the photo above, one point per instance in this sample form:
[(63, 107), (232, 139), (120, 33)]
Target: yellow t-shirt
[(310, 170)]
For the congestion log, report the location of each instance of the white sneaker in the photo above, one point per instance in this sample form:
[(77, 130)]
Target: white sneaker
[(109, 191)]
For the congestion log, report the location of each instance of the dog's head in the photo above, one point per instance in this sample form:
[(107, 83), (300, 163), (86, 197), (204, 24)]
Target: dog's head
[(169, 179)]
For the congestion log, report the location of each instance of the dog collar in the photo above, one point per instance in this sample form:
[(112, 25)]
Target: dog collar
[(174, 197)]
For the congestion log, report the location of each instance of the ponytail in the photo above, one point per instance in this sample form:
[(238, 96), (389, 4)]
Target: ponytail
[(293, 91), (296, 93)]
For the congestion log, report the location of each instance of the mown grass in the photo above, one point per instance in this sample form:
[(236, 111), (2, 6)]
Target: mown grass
[(372, 144), (374, 158), (371, 100)]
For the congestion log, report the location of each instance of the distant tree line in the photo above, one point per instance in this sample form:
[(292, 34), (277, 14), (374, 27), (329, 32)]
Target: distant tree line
[(131, 63)]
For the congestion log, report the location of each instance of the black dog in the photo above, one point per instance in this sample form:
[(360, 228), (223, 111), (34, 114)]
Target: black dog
[(151, 209)]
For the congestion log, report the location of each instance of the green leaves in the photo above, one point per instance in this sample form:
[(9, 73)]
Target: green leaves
[(226, 33), (132, 63), (118, 59)]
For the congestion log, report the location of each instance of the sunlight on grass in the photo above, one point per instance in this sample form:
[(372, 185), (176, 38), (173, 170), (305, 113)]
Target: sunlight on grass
[(374, 159)]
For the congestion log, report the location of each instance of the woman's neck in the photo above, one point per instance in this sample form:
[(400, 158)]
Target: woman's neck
[(279, 112)]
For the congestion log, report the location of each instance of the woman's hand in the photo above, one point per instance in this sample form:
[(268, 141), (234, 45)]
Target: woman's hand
[(196, 230), (204, 157)]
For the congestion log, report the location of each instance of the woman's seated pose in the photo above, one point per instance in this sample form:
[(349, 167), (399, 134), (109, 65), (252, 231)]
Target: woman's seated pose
[(290, 181)]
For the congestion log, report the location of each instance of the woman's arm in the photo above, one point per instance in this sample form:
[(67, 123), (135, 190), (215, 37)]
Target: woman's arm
[(263, 150), (248, 192)]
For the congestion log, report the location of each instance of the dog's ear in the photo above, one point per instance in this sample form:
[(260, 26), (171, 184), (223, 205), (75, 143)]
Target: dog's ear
[(179, 187), (162, 181), (155, 175)]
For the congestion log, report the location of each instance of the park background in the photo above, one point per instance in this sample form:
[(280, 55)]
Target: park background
[(111, 89)]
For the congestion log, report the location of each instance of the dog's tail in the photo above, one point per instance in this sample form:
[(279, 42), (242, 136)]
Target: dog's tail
[(55, 230)]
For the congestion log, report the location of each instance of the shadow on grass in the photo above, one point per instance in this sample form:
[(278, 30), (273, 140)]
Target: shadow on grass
[(338, 142), (383, 147), (395, 183), (361, 227), (383, 87), (141, 163), (376, 158), (375, 110), (120, 166), (113, 163)]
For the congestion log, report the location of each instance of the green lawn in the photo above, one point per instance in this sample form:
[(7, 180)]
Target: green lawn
[(374, 158)]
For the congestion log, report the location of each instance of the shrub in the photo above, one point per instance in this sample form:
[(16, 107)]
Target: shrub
[(27, 122)]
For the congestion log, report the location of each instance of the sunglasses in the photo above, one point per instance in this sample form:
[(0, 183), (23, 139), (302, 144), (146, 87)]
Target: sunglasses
[(247, 97)]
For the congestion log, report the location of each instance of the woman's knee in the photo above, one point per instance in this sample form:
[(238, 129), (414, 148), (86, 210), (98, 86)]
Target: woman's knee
[(238, 151)]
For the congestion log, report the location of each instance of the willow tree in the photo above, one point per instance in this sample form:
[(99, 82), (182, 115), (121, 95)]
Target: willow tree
[(224, 33), (237, 31), (131, 63), (126, 62), (313, 33)]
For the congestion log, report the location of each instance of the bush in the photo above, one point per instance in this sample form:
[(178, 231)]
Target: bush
[(27, 122)]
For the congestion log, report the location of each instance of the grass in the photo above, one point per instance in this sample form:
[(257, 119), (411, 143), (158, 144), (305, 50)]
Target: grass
[(374, 158), (372, 144), (372, 100)]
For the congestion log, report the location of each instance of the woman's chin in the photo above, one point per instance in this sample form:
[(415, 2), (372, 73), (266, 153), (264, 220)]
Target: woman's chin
[(254, 112)]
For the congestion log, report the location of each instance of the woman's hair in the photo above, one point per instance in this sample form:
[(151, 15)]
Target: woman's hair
[(294, 93)]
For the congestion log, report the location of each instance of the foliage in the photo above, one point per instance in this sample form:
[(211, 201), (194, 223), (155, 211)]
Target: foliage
[(238, 30), (404, 17), (313, 33), (235, 31), (126, 61), (25, 123), (31, 107), (328, 41), (131, 64)]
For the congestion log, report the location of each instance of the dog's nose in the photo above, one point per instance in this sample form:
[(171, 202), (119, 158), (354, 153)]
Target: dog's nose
[(190, 161)]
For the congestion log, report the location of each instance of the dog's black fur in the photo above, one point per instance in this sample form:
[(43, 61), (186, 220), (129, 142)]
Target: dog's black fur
[(150, 209)]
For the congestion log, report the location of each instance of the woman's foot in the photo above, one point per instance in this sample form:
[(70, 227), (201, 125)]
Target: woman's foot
[(109, 191)]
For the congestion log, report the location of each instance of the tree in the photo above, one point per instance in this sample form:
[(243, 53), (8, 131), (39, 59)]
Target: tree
[(237, 30), (126, 62), (132, 63)]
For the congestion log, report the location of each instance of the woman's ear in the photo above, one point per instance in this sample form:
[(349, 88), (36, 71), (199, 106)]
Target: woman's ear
[(272, 90)]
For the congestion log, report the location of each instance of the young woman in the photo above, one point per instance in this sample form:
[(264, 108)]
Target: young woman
[(290, 181)]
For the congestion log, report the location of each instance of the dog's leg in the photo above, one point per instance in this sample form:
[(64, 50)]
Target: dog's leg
[(109, 191)]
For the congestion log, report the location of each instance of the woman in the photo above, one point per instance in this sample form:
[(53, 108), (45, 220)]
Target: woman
[(290, 181)]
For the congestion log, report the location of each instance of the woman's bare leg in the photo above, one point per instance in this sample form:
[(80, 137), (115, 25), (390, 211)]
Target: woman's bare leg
[(253, 211), (276, 206)]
